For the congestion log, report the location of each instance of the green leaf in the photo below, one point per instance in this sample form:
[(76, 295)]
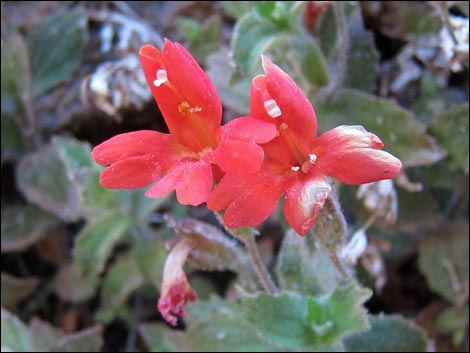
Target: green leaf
[(16, 73), (150, 257), (87, 340), (74, 286), (188, 27), (215, 326), (56, 47), (96, 241), (15, 335), (443, 259), (300, 56), (361, 54), (415, 18), (47, 338), (13, 143), (304, 267), (233, 93), (451, 130), (43, 335), (292, 321), (121, 280), (264, 9), (250, 35), (23, 226), (343, 308), (16, 289), (237, 9), (389, 334), (454, 321), (153, 336), (44, 180), (401, 133)]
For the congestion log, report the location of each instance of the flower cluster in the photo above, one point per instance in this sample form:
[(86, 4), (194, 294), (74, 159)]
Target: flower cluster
[(253, 161)]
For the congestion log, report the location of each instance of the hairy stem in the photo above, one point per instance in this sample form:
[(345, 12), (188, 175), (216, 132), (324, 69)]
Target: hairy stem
[(247, 237), (260, 269)]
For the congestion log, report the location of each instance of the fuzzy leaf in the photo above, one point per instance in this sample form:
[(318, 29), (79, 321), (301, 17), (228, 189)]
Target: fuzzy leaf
[(121, 280), (73, 286), (44, 180), (96, 241), (16, 289), (153, 336), (443, 259), (304, 267), (15, 335), (451, 130), (23, 226), (292, 321), (53, 64), (389, 334), (16, 74), (251, 34), (300, 56), (47, 338), (215, 326)]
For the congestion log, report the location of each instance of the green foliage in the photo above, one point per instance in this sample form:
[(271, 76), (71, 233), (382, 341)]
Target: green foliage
[(23, 226), (15, 335), (291, 320), (451, 129), (16, 289), (389, 333), (53, 64), (305, 267), (443, 259), (96, 241), (454, 321)]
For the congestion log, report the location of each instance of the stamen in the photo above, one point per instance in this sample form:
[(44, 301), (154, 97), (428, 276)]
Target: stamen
[(161, 78), (295, 169), (272, 108), (312, 157), (283, 126)]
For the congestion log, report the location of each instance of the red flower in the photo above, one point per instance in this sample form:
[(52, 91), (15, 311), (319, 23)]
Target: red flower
[(297, 162), (176, 290), (183, 159)]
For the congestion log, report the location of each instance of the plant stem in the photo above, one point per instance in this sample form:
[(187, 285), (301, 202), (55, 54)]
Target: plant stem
[(247, 237), (260, 269)]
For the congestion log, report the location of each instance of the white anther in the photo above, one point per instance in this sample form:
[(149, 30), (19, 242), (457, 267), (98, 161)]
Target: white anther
[(312, 157), (161, 78), (295, 169), (272, 108)]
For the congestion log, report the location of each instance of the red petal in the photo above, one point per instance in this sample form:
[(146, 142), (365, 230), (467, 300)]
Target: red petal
[(131, 173), (352, 155), (137, 143), (238, 157), (196, 186), (296, 111), (137, 158), (249, 129), (192, 181), (249, 200), (166, 184), (189, 103), (304, 199)]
